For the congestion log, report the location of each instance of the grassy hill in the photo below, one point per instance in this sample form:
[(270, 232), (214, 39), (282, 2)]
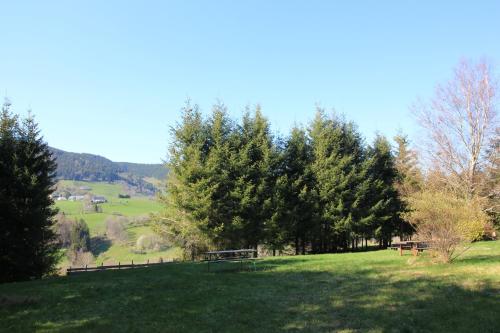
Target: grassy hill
[(136, 206), (353, 292)]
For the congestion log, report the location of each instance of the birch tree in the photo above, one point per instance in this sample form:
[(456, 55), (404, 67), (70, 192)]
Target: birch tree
[(460, 121)]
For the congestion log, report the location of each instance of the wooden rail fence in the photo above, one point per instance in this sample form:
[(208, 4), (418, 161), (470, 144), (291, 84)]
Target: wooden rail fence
[(102, 267)]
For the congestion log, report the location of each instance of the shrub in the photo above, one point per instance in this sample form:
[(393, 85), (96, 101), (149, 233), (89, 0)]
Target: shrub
[(63, 229), (80, 258), (150, 243), (447, 222), (115, 228)]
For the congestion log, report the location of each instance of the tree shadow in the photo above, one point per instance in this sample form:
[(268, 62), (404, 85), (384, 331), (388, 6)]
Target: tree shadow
[(99, 244)]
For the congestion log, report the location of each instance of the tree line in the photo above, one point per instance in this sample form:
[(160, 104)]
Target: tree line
[(320, 189)]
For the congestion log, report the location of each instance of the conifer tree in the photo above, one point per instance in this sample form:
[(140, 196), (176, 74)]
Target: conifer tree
[(406, 162), (296, 189), (219, 180), (255, 177), (185, 198), (385, 206), (27, 177), (338, 152)]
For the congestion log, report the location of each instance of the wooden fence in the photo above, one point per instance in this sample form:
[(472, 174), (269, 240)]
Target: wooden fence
[(102, 267)]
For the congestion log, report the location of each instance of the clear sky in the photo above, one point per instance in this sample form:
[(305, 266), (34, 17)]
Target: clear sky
[(109, 77)]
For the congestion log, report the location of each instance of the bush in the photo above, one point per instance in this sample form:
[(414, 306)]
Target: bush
[(115, 228), (80, 258), (63, 229), (447, 222), (150, 243), (139, 221)]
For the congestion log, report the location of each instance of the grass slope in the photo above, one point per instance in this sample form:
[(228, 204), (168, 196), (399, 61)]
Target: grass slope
[(355, 292)]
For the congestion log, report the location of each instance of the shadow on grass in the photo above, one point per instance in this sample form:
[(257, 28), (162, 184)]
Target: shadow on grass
[(99, 244), (282, 296)]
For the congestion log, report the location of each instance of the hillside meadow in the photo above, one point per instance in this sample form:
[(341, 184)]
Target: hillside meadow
[(353, 292), (136, 206)]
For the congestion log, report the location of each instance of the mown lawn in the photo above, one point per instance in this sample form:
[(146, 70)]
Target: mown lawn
[(356, 292)]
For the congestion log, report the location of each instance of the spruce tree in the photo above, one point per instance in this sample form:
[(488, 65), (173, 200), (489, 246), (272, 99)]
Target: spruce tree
[(254, 177), (184, 219), (219, 181), (338, 152), (409, 176), (27, 178), (295, 187), (385, 205)]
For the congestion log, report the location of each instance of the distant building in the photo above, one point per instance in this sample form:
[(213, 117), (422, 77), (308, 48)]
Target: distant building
[(85, 188), (76, 197), (98, 199), (61, 198)]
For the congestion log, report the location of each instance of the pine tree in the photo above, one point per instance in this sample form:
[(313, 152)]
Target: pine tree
[(338, 152), (296, 211), (184, 219), (410, 178), (29, 247), (80, 236), (254, 177), (385, 206), (219, 181)]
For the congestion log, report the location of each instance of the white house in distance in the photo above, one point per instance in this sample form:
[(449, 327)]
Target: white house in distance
[(97, 199), (76, 197)]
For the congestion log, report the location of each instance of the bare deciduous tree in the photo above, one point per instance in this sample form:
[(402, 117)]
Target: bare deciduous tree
[(460, 121), (115, 228)]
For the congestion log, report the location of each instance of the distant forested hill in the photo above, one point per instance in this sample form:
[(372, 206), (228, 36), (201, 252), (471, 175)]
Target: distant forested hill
[(76, 166)]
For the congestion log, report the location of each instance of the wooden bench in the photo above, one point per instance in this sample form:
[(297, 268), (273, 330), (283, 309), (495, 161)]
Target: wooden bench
[(231, 255), (414, 247)]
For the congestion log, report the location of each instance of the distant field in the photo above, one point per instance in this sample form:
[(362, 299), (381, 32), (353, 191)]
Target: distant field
[(133, 207), (353, 292)]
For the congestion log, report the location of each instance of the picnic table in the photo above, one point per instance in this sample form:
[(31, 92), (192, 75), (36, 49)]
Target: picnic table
[(414, 246), (231, 255)]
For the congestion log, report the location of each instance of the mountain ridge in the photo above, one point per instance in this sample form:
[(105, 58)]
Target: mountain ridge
[(91, 167)]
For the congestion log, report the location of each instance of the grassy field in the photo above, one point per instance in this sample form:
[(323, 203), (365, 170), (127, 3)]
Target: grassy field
[(355, 292), (108, 252)]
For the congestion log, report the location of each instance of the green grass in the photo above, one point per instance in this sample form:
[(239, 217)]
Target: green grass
[(355, 292), (109, 190)]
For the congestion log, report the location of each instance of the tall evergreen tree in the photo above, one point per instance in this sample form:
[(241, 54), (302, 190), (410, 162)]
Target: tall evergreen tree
[(409, 176), (295, 187), (338, 153), (185, 198), (27, 177), (255, 177), (219, 180), (385, 206)]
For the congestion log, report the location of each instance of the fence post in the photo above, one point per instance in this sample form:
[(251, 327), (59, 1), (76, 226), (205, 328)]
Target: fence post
[(85, 268), (148, 262), (132, 263), (118, 265)]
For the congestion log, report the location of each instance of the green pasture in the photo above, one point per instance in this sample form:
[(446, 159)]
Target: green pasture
[(353, 292), (106, 251)]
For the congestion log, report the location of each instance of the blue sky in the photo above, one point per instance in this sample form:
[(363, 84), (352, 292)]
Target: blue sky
[(109, 77)]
